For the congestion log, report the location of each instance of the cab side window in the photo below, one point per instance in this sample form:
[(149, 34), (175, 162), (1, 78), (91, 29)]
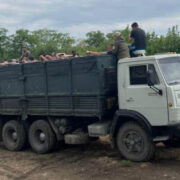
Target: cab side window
[(152, 68), (138, 74)]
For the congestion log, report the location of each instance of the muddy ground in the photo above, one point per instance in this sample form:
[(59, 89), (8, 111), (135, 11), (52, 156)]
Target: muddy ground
[(95, 161)]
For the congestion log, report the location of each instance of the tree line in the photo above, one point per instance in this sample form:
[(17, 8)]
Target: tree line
[(44, 41)]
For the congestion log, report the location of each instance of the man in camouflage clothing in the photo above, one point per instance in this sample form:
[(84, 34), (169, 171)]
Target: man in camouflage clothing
[(119, 49)]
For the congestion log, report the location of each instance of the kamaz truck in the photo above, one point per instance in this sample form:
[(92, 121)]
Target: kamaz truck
[(135, 101)]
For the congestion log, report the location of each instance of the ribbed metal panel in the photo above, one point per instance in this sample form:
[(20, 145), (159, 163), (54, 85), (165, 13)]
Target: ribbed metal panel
[(38, 102), (59, 102), (85, 102), (9, 103), (71, 87)]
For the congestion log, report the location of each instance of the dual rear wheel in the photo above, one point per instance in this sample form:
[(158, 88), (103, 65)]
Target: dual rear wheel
[(14, 136), (41, 137)]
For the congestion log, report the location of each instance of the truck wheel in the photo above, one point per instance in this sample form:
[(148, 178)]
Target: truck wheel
[(134, 143), (14, 136), (41, 137)]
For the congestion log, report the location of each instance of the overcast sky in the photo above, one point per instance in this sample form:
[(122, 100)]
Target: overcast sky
[(78, 17)]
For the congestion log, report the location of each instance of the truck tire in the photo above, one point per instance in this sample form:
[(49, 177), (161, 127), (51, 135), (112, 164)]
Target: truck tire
[(14, 136), (41, 137), (134, 143)]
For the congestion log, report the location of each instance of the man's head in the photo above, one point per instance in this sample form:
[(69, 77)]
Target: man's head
[(117, 36), (134, 25), (74, 53), (25, 60)]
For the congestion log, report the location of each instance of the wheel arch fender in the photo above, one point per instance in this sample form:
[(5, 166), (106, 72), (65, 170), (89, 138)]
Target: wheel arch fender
[(122, 116)]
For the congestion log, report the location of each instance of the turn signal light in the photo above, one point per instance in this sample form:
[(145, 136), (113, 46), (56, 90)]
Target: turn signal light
[(170, 104)]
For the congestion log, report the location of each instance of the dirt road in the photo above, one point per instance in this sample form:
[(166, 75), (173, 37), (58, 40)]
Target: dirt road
[(96, 161)]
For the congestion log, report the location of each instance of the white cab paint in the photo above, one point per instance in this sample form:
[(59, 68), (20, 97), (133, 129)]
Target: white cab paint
[(142, 99)]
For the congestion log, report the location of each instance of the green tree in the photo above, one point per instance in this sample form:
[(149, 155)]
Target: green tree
[(173, 40), (18, 40), (49, 41), (95, 39), (46, 41), (163, 43), (124, 34), (4, 43)]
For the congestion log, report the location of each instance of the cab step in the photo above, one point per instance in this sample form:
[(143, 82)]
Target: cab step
[(99, 129)]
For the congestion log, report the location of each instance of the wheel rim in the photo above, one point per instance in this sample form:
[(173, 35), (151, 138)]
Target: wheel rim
[(133, 142), (12, 135), (40, 136)]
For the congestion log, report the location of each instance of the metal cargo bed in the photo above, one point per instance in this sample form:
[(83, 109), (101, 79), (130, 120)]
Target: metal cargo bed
[(71, 87)]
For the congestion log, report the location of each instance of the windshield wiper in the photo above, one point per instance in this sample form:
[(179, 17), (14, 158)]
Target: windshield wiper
[(174, 82)]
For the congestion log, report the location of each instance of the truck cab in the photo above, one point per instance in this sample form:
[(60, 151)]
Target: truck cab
[(135, 94), (149, 99)]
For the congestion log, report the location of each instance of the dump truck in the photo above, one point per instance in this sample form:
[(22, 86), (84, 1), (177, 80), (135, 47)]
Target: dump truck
[(135, 101)]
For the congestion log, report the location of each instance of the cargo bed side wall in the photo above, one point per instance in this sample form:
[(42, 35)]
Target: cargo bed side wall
[(71, 87)]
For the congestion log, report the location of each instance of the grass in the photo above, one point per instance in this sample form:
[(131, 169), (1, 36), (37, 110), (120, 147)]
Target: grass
[(125, 163)]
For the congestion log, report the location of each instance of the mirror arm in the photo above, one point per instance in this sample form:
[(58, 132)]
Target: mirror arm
[(159, 91)]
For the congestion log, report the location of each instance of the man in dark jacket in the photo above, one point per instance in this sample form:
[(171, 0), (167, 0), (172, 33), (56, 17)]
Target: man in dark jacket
[(139, 37)]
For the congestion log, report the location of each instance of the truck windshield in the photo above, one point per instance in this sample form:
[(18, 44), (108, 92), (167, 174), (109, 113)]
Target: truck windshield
[(171, 69)]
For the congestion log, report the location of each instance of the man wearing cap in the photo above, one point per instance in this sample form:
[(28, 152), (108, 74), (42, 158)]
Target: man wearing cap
[(25, 53), (119, 48)]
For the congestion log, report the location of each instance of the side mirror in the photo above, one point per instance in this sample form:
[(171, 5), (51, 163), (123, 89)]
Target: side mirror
[(151, 79)]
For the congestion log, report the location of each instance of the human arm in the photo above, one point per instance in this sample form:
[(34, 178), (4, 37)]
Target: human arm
[(96, 53), (131, 36), (130, 39), (43, 58), (22, 56), (34, 61), (60, 55)]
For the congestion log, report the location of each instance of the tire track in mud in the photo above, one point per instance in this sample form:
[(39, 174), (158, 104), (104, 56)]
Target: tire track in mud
[(95, 161), (50, 164), (8, 172), (67, 158)]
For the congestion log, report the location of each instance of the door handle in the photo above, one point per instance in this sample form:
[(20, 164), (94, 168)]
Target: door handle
[(130, 99)]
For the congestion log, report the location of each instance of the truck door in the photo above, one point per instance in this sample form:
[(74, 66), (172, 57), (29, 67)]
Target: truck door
[(141, 98)]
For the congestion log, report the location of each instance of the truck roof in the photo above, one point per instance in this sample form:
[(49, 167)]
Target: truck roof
[(145, 58)]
